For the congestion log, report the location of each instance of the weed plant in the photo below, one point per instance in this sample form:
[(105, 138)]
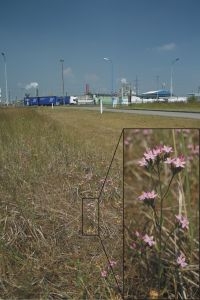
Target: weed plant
[(162, 214)]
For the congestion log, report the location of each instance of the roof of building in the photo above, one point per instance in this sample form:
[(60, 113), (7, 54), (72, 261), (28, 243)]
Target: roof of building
[(158, 93)]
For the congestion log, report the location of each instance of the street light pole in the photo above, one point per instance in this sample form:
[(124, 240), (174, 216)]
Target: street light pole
[(63, 88), (157, 83), (4, 57), (112, 76), (172, 64)]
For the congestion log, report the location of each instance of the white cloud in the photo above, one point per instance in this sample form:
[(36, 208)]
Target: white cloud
[(167, 47), (68, 72), (123, 81), (31, 85)]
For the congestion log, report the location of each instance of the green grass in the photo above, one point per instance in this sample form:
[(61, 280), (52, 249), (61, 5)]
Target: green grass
[(192, 107), (49, 160), (93, 122)]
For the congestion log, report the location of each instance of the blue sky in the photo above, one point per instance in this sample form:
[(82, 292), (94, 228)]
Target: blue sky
[(142, 37)]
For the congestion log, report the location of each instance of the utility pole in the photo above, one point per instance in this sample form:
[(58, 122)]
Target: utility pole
[(112, 77), (171, 83), (157, 85), (136, 85), (63, 88), (6, 80)]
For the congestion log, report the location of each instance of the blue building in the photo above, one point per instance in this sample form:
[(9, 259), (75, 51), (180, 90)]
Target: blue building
[(156, 94)]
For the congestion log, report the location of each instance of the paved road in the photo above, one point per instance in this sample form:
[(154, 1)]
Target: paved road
[(174, 114)]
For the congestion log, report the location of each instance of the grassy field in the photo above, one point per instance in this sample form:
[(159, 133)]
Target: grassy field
[(193, 107), (49, 160)]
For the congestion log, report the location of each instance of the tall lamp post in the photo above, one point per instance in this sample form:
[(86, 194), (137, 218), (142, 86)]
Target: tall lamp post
[(63, 88), (112, 75), (4, 58), (172, 65)]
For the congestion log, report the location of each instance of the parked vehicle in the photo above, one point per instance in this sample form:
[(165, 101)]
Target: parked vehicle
[(70, 100), (49, 100), (85, 99), (30, 101)]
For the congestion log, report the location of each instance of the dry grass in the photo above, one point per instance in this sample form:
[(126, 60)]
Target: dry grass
[(46, 169), (110, 123), (50, 160)]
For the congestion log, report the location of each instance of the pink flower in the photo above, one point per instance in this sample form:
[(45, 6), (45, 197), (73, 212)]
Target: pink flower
[(194, 149), (181, 260), (147, 131), (183, 221), (152, 195), (143, 196), (149, 155), (169, 160), (112, 263), (135, 131), (158, 150), (148, 195), (179, 162), (186, 131), (133, 245), (167, 149), (137, 233), (149, 240), (127, 141), (104, 273), (155, 155), (143, 162), (148, 198)]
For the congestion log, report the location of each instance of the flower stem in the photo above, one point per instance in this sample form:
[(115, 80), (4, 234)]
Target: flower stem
[(160, 228), (168, 186)]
